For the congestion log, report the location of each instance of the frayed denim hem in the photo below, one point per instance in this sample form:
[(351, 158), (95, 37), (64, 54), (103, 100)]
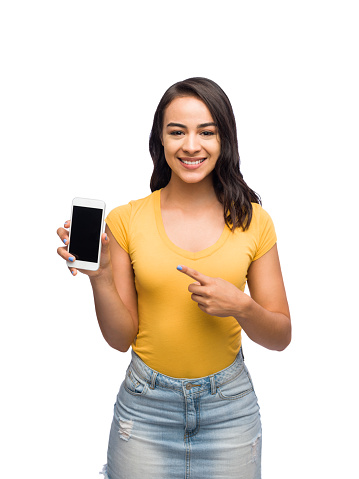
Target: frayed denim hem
[(104, 472)]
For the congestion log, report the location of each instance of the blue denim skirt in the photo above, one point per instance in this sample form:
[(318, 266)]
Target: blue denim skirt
[(170, 428)]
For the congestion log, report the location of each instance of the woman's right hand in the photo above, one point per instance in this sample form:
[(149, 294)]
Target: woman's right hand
[(105, 260)]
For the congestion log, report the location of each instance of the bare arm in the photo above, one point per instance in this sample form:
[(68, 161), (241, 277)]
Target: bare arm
[(266, 319), (113, 289), (116, 299)]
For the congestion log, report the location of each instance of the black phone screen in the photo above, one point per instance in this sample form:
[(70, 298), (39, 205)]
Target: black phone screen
[(85, 233)]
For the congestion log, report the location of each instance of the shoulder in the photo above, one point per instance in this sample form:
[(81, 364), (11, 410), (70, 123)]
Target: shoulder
[(127, 210), (259, 211), (260, 217), (125, 219)]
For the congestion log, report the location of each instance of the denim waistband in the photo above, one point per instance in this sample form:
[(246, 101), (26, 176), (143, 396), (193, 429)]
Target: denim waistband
[(211, 382)]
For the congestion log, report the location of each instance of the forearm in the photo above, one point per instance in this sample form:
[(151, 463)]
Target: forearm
[(267, 328), (115, 321)]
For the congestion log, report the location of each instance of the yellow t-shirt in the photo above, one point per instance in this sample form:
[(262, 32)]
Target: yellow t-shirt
[(175, 336)]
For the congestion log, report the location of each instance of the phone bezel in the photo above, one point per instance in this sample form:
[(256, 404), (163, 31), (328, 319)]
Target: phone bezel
[(87, 203)]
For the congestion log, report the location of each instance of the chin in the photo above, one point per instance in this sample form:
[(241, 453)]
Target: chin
[(192, 181), (193, 178)]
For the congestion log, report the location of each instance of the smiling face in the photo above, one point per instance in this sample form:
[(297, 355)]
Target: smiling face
[(190, 139)]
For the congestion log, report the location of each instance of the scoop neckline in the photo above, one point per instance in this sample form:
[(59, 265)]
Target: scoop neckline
[(180, 251)]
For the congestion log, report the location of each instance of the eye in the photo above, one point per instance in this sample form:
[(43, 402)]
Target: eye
[(207, 133), (176, 133)]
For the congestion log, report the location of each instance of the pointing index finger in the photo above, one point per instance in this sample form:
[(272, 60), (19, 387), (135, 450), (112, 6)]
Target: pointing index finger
[(192, 273)]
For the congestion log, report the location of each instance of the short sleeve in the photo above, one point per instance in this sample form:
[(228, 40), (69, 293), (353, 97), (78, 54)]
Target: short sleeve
[(118, 220), (267, 237)]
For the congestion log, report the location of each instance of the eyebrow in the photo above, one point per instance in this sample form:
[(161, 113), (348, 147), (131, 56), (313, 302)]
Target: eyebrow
[(202, 125)]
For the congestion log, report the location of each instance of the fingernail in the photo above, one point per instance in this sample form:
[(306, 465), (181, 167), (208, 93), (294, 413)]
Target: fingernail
[(106, 238), (179, 268), (71, 258), (64, 240), (73, 273)]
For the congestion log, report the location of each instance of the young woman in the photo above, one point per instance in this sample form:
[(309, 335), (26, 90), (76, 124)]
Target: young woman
[(171, 286)]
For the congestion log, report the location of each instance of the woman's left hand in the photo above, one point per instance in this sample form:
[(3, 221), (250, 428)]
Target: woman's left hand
[(215, 296)]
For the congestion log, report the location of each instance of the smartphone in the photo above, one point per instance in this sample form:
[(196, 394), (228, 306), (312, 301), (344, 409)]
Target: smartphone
[(87, 218)]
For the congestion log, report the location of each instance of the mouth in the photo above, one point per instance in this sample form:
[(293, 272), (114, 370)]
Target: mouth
[(192, 161)]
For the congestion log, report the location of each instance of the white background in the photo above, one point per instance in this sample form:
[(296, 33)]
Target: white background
[(80, 82)]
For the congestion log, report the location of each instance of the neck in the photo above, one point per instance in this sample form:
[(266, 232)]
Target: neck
[(184, 195)]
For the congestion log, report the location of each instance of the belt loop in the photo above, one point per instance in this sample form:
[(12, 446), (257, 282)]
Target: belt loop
[(213, 384), (153, 380), (242, 353)]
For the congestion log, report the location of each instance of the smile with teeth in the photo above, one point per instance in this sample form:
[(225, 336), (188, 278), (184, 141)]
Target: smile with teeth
[(195, 162)]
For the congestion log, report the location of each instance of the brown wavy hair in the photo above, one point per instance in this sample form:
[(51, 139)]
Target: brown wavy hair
[(231, 189)]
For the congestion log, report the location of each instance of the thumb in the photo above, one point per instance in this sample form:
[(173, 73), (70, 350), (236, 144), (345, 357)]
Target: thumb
[(105, 241)]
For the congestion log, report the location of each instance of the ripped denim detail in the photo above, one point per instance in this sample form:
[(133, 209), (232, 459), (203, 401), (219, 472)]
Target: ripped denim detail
[(257, 449), (125, 429)]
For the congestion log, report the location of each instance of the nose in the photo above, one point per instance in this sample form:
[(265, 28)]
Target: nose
[(191, 143)]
